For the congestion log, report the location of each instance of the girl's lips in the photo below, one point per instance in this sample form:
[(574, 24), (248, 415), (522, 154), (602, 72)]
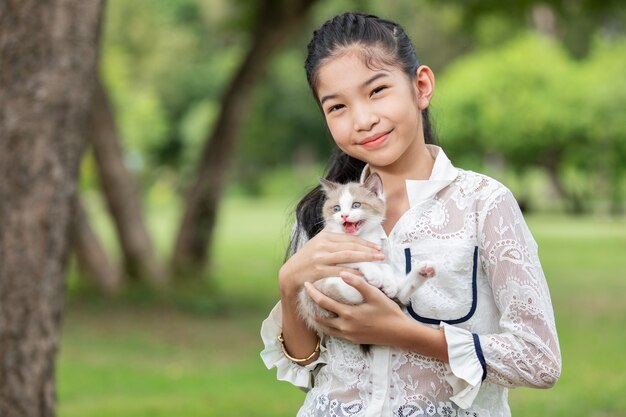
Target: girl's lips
[(375, 141)]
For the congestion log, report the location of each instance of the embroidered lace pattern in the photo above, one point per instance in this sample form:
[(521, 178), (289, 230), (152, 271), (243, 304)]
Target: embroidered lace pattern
[(513, 317)]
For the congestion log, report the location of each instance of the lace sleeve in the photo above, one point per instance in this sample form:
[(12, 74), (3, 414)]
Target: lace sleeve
[(526, 351), (272, 354)]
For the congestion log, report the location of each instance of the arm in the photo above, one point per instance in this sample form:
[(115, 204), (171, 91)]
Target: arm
[(525, 351), (314, 259), (378, 321), (299, 340)]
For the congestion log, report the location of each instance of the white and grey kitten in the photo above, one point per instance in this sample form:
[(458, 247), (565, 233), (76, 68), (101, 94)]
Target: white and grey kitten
[(359, 209)]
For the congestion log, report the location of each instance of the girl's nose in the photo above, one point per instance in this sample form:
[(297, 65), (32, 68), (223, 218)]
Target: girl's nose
[(364, 118)]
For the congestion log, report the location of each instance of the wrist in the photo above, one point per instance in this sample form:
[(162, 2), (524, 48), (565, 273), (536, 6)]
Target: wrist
[(406, 332), (422, 339), (286, 285)]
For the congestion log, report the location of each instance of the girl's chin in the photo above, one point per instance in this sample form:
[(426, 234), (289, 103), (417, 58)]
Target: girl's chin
[(378, 161), (382, 157)]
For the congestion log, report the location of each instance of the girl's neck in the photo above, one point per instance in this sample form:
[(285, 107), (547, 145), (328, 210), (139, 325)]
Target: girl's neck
[(419, 167), (416, 164)]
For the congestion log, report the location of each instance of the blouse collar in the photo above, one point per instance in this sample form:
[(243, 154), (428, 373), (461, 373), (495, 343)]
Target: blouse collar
[(442, 175)]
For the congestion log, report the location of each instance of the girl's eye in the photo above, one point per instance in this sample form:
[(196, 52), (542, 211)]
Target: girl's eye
[(378, 89), (335, 108), (356, 205), (336, 209)]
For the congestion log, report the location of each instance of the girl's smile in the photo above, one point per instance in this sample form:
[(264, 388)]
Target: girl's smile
[(375, 140)]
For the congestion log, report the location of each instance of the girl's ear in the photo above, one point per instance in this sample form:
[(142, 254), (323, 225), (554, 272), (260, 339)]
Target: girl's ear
[(328, 186), (374, 184), (425, 84)]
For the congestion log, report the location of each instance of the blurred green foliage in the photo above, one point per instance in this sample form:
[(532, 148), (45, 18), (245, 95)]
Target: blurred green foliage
[(503, 94), (530, 103)]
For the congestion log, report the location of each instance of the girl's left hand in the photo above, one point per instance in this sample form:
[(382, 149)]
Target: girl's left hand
[(377, 321)]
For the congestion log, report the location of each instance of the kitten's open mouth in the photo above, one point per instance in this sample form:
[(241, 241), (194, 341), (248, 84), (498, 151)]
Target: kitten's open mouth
[(351, 228)]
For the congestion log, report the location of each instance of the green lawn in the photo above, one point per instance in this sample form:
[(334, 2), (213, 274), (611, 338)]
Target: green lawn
[(195, 359)]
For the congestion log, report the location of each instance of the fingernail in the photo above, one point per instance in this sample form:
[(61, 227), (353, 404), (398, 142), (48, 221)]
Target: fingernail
[(379, 256)]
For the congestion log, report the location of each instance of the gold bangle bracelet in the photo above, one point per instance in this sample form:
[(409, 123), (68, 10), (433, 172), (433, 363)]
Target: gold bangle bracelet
[(296, 360)]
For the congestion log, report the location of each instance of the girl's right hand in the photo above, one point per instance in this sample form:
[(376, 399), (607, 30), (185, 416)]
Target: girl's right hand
[(321, 257)]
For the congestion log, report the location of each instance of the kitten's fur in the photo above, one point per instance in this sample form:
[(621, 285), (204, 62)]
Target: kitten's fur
[(359, 209)]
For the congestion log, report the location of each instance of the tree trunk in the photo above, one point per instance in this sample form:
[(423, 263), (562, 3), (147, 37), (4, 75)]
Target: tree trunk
[(91, 257), (574, 204), (122, 195), (48, 56), (277, 20)]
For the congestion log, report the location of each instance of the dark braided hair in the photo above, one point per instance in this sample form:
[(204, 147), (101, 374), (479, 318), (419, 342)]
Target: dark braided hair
[(382, 41)]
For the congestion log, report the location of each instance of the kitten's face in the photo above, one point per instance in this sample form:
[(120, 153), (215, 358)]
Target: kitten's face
[(353, 208)]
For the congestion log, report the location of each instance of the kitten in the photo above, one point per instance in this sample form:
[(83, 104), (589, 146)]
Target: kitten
[(359, 209)]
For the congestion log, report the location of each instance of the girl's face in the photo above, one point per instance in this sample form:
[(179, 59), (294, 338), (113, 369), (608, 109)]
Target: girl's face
[(374, 114)]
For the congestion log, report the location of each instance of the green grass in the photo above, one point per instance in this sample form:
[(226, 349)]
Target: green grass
[(123, 359)]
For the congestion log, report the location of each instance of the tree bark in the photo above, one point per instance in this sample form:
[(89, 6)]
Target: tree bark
[(48, 56), (121, 193), (91, 257), (277, 20)]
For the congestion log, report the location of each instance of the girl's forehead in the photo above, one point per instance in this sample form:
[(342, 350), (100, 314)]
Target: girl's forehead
[(348, 71)]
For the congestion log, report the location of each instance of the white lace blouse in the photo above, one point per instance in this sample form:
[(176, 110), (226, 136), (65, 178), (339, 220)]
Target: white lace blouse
[(490, 296)]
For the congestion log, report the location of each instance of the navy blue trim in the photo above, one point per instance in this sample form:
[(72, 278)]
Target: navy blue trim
[(407, 254), (407, 261), (479, 353)]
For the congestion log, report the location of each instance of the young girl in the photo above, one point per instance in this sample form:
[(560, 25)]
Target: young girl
[(484, 324)]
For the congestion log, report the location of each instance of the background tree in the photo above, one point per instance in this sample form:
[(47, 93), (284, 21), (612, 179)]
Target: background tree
[(94, 263), (122, 194), (48, 55), (275, 21)]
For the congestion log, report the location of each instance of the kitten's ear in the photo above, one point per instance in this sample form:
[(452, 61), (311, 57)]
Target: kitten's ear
[(327, 185), (374, 184)]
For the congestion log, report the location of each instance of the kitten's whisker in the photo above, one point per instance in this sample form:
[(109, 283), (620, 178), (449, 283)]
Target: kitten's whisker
[(318, 223)]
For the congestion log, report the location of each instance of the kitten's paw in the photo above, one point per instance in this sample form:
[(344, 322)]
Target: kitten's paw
[(372, 274), (375, 281), (390, 289), (426, 269)]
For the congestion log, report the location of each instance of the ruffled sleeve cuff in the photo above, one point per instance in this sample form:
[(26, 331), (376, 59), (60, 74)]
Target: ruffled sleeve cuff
[(467, 368), (273, 356)]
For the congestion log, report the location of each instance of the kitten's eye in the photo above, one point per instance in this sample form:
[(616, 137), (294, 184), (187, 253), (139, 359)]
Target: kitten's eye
[(336, 209), (356, 205)]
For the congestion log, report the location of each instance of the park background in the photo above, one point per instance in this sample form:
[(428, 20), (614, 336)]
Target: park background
[(203, 122)]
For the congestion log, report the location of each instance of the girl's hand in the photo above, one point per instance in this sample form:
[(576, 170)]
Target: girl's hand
[(320, 256), (378, 320)]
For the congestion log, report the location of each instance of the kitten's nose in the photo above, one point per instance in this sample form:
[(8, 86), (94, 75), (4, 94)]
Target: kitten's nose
[(344, 216)]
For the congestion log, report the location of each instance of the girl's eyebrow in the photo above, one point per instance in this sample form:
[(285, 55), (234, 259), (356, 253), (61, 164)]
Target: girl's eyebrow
[(374, 78), (365, 84)]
